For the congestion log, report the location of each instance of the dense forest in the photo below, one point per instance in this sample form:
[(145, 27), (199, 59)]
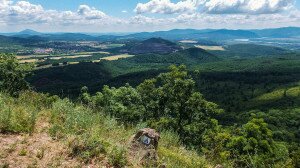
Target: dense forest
[(238, 113)]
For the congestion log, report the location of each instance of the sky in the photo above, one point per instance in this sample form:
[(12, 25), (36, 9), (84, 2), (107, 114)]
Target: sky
[(102, 16)]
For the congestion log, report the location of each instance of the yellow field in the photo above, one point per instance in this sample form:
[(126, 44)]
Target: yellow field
[(56, 58), (72, 63), (31, 56), (28, 61), (220, 48), (116, 57)]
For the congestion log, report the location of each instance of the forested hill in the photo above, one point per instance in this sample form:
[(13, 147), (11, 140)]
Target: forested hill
[(152, 45), (94, 129)]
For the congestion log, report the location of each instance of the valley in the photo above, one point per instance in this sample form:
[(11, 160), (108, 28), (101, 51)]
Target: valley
[(223, 96)]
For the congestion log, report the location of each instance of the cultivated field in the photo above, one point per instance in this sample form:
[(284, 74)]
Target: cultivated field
[(116, 57), (220, 48), (28, 61)]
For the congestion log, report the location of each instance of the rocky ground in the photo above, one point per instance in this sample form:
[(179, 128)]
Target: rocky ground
[(36, 150)]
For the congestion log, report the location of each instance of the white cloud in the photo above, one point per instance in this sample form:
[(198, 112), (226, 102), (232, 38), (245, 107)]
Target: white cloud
[(23, 13), (25, 8), (166, 7), (246, 6), (90, 13), (17, 15), (124, 11), (215, 6)]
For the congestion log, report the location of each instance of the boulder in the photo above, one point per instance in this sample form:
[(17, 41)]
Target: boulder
[(143, 146)]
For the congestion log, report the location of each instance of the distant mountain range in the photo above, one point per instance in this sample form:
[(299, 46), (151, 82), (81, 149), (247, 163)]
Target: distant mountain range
[(212, 34), (205, 35)]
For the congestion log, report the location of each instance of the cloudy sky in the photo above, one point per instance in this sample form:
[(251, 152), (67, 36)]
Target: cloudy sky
[(145, 15)]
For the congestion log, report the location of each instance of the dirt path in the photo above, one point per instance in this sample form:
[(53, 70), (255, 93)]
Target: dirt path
[(36, 150)]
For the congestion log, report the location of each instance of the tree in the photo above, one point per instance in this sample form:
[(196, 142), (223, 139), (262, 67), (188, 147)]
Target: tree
[(12, 74), (124, 103), (171, 101), (254, 144)]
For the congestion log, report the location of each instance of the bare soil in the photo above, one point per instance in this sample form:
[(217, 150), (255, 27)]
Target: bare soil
[(36, 150)]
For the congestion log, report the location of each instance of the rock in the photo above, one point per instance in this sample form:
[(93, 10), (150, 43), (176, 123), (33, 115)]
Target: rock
[(143, 146), (219, 166)]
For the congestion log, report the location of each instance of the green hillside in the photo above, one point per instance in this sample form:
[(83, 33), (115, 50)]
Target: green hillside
[(94, 129), (251, 50)]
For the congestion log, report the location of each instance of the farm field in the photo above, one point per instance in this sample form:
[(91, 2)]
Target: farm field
[(116, 57), (218, 48)]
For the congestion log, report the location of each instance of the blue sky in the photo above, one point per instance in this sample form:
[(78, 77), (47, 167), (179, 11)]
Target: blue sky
[(145, 15), (112, 7)]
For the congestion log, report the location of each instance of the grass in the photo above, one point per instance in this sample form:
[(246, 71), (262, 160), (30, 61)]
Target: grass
[(23, 152), (16, 117), (89, 134), (117, 157)]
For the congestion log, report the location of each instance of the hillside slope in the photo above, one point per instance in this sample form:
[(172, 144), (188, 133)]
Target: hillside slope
[(64, 134), (152, 45), (187, 56), (251, 50)]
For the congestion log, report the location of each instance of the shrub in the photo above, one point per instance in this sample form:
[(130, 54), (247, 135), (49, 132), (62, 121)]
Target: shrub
[(15, 117), (169, 138), (117, 157), (87, 147), (12, 74)]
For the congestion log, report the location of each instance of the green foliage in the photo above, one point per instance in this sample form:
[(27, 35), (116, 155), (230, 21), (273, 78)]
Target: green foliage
[(254, 144), (284, 123), (214, 147), (175, 104), (168, 101), (117, 157), (123, 103), (86, 147), (172, 104), (15, 116), (12, 74), (174, 157), (67, 118)]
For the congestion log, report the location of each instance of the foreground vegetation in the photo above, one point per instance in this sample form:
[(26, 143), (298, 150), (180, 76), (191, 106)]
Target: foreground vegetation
[(96, 128)]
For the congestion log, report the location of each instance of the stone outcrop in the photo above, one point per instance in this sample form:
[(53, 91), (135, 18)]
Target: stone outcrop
[(143, 146)]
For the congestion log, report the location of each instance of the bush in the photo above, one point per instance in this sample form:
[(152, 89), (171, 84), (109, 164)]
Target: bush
[(87, 147), (12, 74), (117, 157), (16, 117)]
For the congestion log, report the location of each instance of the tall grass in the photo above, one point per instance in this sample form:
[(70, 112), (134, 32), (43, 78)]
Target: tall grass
[(16, 117)]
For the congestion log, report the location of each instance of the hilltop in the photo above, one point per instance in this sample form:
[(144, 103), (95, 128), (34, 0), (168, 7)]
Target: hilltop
[(153, 45)]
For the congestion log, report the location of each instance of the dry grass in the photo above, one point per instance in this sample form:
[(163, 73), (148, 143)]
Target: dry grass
[(72, 63), (219, 48), (37, 150), (56, 58), (116, 57), (28, 61)]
